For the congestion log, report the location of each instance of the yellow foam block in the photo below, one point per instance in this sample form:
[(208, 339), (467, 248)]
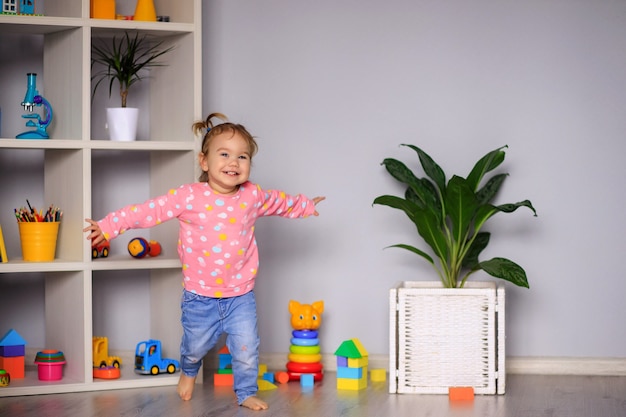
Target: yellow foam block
[(378, 375), (265, 385), (351, 384), (262, 369), (357, 362)]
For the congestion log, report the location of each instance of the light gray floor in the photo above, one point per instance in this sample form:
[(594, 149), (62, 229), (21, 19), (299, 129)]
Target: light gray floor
[(527, 396)]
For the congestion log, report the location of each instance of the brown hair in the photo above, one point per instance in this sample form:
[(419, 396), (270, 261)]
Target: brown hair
[(211, 130)]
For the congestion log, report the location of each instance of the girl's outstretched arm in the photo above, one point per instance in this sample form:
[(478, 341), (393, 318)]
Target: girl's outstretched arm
[(317, 200), (95, 233)]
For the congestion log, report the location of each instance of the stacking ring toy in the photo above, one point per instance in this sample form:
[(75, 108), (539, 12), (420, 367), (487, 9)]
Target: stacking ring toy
[(304, 368), (304, 334), (304, 342), (304, 350), (295, 357), (295, 376)]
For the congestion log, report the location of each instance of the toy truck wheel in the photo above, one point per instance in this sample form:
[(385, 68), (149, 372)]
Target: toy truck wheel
[(103, 364), (105, 254), (154, 370), (116, 364), (171, 368), (94, 253)]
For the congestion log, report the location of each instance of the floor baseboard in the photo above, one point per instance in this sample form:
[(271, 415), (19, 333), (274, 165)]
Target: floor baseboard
[(514, 365)]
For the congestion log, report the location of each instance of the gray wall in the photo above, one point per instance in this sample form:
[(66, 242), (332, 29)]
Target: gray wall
[(331, 88)]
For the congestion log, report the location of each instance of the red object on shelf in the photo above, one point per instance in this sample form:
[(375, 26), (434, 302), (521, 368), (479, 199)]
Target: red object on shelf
[(109, 372)]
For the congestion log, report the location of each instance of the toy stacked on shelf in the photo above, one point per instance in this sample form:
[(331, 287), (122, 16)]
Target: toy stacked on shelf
[(12, 351), (352, 362), (305, 357), (224, 375)]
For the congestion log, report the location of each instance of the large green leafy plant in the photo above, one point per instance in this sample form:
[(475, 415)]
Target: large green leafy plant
[(123, 59), (450, 216)]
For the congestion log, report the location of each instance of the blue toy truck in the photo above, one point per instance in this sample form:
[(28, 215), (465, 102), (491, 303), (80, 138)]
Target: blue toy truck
[(148, 360)]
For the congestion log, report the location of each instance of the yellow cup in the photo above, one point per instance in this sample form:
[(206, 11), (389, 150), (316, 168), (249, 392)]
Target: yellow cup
[(39, 240)]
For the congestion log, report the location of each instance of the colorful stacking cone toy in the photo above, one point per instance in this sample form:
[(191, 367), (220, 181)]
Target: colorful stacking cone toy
[(304, 352)]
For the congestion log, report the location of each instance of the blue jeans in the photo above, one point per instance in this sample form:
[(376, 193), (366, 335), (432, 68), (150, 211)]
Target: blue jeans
[(204, 319)]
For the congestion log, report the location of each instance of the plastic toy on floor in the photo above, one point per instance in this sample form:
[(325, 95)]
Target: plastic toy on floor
[(352, 364), (304, 353)]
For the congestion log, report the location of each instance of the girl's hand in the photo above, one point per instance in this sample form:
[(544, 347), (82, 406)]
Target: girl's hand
[(95, 234), (317, 200)]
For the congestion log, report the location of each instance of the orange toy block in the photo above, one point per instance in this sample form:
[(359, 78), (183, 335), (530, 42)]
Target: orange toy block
[(14, 366), (461, 393), (224, 380), (282, 377)]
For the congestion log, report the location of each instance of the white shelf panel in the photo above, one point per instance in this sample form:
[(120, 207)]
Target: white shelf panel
[(31, 385), (37, 25), (81, 175), (117, 262), (58, 265), (139, 145)]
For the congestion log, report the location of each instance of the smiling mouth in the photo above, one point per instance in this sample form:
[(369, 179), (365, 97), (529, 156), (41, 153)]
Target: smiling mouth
[(231, 173)]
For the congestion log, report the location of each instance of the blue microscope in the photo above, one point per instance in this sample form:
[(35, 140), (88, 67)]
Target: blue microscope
[(31, 100)]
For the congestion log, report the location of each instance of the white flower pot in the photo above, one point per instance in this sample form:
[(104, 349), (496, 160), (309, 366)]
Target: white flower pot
[(122, 123), (446, 337)]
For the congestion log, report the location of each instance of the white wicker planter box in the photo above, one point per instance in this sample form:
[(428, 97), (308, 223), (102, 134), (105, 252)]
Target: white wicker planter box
[(441, 337)]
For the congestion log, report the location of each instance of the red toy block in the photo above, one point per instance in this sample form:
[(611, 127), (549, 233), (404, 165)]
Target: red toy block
[(224, 380), (461, 393), (14, 366)]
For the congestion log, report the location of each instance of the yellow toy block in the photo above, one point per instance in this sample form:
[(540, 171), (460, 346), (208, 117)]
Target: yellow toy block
[(378, 375), (359, 346), (262, 369), (351, 384), (265, 385), (358, 362)]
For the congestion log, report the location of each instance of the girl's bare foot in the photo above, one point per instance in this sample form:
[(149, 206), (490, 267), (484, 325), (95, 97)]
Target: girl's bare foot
[(185, 386), (254, 403)]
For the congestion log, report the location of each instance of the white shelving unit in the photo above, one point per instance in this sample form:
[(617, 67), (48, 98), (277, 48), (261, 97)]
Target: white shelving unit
[(76, 161)]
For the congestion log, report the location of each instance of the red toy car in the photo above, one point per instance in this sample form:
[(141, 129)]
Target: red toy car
[(101, 250)]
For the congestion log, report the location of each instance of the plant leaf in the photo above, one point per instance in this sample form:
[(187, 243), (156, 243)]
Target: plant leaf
[(488, 192), (415, 250), (506, 270), (430, 167), (485, 164), (509, 208), (429, 228), (461, 204), (396, 202), (422, 188), (480, 242)]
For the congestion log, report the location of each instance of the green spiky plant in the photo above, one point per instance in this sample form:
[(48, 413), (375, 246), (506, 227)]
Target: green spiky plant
[(450, 216), (122, 59)]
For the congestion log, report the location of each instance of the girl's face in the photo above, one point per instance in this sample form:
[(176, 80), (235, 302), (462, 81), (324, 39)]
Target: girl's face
[(227, 162)]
